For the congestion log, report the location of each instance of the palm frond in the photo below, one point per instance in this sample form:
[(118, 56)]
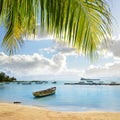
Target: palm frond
[(82, 24)]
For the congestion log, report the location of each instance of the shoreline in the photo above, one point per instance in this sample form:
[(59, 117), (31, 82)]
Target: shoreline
[(10, 111), (55, 108)]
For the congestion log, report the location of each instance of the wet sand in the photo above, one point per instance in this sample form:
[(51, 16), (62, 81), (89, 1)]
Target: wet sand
[(22, 112)]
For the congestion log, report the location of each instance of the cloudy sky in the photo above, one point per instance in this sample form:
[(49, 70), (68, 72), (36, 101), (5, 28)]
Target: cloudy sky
[(45, 59)]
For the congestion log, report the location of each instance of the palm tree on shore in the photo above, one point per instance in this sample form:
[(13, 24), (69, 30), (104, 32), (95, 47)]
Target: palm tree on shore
[(82, 24)]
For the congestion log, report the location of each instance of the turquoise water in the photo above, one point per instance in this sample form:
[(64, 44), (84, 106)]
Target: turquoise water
[(67, 97)]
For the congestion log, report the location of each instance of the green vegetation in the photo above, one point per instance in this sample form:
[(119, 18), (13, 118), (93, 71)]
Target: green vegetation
[(5, 78), (82, 24)]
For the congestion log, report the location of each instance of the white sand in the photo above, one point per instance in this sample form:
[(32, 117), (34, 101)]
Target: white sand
[(21, 112)]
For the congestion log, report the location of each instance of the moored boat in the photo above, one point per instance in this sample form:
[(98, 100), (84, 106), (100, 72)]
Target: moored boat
[(44, 93), (27, 83), (1, 85), (88, 79), (38, 82), (54, 82)]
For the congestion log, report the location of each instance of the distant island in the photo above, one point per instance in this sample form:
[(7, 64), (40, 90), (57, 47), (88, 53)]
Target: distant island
[(6, 78)]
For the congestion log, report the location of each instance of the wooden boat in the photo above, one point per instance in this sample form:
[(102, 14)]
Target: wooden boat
[(44, 93)]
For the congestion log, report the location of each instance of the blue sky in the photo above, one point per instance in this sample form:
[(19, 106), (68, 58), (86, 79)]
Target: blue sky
[(43, 58)]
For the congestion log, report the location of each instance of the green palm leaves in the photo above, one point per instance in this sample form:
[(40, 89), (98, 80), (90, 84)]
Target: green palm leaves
[(83, 24)]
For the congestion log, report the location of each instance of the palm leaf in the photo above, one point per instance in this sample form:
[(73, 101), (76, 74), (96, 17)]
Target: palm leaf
[(82, 24)]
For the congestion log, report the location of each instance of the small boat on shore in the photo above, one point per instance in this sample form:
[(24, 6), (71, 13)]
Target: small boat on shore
[(44, 93)]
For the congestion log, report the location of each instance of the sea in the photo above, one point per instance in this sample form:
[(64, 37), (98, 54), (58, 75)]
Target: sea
[(75, 98)]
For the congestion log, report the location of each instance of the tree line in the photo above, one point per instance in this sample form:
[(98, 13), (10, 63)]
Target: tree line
[(6, 78)]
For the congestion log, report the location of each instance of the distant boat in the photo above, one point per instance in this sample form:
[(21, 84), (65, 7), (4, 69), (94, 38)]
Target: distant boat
[(114, 83), (54, 82), (39, 82), (26, 83), (44, 93), (7, 82), (1, 85), (88, 79)]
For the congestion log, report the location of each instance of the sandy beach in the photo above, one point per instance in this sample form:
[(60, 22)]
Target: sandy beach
[(22, 112)]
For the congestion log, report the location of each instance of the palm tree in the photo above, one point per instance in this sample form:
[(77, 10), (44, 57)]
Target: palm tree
[(82, 24)]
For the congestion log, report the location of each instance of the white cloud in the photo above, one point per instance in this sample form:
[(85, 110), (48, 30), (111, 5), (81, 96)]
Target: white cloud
[(108, 70), (111, 50), (41, 34), (61, 48), (116, 38), (36, 65), (27, 64), (115, 48), (39, 37)]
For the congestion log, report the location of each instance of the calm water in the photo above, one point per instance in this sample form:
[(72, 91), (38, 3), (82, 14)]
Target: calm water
[(67, 97)]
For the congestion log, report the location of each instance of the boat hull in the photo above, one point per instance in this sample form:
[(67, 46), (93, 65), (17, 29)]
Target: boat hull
[(44, 93)]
